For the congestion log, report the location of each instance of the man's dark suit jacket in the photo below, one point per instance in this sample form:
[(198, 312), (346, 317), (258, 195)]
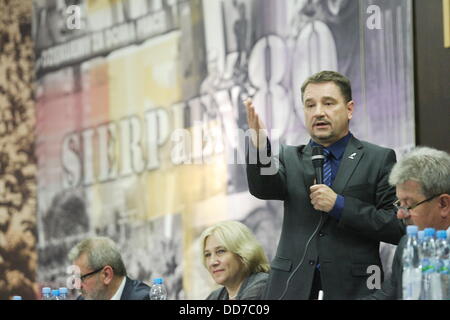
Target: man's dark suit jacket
[(133, 290), (346, 248)]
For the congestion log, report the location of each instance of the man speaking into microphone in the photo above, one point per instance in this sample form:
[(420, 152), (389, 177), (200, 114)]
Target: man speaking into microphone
[(331, 229)]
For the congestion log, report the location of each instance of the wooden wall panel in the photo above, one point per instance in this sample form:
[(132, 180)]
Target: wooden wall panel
[(432, 76)]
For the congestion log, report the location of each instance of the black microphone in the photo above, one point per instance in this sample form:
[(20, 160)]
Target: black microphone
[(318, 159)]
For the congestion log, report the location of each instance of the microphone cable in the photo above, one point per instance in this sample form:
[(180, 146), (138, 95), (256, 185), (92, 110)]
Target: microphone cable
[(302, 259)]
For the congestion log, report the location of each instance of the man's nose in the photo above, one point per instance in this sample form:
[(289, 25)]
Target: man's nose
[(402, 214), (319, 110)]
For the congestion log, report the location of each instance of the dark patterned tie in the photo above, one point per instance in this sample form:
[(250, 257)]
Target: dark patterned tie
[(327, 168)]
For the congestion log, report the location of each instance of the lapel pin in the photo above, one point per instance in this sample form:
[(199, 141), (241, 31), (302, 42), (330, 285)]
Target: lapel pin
[(352, 156)]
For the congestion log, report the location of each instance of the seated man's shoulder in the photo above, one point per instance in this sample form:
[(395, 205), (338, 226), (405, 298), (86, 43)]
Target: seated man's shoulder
[(136, 290)]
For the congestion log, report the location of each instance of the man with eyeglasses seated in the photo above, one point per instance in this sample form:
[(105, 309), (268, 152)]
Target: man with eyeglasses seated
[(102, 272), (422, 180)]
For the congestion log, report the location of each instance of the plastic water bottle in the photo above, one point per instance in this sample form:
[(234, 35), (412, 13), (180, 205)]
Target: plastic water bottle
[(411, 266), (63, 293), (443, 267), (428, 257), (420, 236), (46, 293), (16, 298), (158, 290), (55, 294)]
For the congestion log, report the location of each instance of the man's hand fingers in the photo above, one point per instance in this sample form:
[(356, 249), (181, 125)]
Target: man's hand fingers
[(248, 106), (250, 109), (316, 187), (254, 122), (251, 114)]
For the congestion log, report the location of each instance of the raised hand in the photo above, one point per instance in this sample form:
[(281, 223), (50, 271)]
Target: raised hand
[(259, 135)]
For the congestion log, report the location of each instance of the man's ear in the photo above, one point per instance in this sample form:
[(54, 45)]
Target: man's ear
[(350, 108), (108, 274), (444, 205)]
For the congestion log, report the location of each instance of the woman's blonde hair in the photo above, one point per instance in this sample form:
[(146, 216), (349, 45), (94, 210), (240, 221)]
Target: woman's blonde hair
[(238, 239)]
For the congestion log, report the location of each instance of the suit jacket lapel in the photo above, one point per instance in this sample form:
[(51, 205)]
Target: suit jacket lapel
[(350, 159)]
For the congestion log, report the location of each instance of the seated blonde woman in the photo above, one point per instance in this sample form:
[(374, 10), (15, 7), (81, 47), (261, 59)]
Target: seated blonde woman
[(235, 260)]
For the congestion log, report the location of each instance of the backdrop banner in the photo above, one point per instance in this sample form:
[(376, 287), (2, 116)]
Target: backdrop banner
[(140, 118)]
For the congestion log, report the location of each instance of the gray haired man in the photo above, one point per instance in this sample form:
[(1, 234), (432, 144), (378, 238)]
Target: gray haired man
[(422, 180), (102, 272)]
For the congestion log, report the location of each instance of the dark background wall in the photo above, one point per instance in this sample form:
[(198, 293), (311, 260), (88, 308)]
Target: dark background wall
[(432, 76)]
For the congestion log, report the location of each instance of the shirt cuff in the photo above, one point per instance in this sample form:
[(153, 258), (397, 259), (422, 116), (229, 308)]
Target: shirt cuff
[(336, 212)]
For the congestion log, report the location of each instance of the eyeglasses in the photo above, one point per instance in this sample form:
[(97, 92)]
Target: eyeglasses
[(407, 209), (87, 275)]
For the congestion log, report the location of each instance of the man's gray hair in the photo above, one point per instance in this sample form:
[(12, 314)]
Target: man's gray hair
[(427, 166), (100, 251)]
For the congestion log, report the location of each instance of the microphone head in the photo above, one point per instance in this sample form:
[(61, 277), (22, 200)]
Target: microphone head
[(317, 151), (317, 157)]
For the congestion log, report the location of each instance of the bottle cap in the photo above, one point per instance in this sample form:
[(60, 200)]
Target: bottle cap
[(63, 290), (55, 292), (158, 281), (429, 232), (46, 290), (421, 234), (412, 229), (441, 234), (17, 298)]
